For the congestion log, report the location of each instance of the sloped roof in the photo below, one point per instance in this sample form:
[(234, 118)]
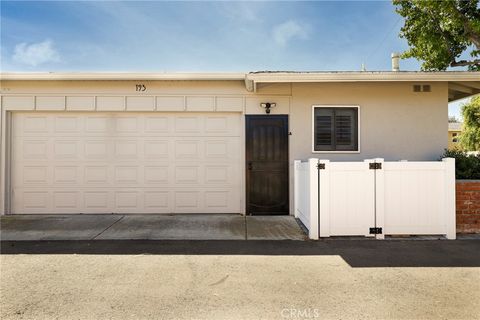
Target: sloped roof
[(454, 126)]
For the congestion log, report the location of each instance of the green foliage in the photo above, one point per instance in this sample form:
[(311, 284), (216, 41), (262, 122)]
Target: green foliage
[(466, 166), (452, 119), (470, 136), (438, 32)]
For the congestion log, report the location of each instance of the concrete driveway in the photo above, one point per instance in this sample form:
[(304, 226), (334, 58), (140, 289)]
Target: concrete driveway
[(135, 267), (335, 279), (149, 227)]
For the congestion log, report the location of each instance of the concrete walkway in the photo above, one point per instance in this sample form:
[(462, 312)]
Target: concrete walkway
[(149, 227)]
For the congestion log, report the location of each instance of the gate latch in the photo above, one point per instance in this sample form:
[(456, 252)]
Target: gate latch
[(375, 166), (321, 166), (375, 230)]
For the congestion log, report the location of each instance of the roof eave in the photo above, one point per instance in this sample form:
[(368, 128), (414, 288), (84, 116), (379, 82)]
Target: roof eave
[(121, 76), (364, 76)]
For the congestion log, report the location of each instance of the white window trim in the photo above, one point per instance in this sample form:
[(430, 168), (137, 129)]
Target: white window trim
[(336, 106)]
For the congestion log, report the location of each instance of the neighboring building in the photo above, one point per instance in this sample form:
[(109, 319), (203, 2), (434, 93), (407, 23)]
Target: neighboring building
[(205, 143), (454, 130)]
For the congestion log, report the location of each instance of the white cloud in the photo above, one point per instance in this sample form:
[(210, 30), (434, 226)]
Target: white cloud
[(241, 11), (288, 30), (36, 53)]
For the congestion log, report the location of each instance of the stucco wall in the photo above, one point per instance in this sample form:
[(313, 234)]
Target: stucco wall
[(395, 122), (451, 144)]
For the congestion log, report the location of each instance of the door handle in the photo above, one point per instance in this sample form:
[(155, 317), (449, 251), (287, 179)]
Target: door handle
[(250, 166)]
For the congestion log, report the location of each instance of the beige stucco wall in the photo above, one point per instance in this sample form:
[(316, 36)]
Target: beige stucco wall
[(451, 144), (395, 122)]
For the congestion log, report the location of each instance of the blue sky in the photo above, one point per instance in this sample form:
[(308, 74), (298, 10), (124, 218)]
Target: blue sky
[(199, 36)]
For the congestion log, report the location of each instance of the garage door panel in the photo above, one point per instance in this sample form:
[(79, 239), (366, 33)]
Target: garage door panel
[(126, 125), (95, 175), (157, 149), (32, 124), (157, 175), (32, 201), (34, 175), (99, 149), (127, 201), (158, 124), (128, 175), (126, 149), (67, 174), (126, 163), (97, 201), (98, 124), (68, 125), (66, 149), (157, 201), (187, 175), (66, 200), (188, 149), (32, 149), (188, 124)]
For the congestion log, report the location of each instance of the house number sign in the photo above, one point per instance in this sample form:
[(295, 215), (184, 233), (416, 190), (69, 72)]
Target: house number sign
[(140, 87)]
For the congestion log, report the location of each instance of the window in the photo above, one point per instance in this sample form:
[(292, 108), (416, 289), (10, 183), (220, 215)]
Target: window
[(335, 128), (455, 140), (454, 134)]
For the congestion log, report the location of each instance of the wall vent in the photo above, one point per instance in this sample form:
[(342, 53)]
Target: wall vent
[(422, 88)]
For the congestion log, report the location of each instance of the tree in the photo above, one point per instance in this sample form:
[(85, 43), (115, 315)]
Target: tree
[(438, 32), (452, 119), (470, 136)]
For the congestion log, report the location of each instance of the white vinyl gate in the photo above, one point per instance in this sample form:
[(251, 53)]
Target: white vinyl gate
[(375, 198)]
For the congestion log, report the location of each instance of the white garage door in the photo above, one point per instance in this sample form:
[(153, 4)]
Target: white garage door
[(126, 163)]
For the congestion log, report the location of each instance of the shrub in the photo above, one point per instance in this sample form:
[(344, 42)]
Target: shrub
[(470, 136), (466, 166)]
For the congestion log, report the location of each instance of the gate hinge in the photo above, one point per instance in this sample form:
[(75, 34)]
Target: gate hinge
[(321, 166), (375, 165), (375, 230)]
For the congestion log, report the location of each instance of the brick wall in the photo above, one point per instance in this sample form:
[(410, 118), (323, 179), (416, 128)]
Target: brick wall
[(468, 206)]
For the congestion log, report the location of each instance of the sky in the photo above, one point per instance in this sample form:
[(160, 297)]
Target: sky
[(198, 36)]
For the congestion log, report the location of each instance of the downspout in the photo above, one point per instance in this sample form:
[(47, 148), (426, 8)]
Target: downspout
[(250, 84)]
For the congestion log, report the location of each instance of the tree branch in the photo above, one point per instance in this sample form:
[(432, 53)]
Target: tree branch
[(470, 32), (463, 63)]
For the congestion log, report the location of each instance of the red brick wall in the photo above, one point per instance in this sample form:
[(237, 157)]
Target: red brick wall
[(468, 206)]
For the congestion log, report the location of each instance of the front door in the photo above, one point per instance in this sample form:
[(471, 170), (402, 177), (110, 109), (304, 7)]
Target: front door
[(267, 164)]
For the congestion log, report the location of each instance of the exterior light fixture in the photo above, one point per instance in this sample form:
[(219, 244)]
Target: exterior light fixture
[(267, 106)]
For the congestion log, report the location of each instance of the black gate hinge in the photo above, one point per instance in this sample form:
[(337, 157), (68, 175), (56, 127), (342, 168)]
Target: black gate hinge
[(375, 166), (321, 166), (375, 230)]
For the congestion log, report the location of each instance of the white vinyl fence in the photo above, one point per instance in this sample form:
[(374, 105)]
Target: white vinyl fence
[(375, 198), (306, 195)]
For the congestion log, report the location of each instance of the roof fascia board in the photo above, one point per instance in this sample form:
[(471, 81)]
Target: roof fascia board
[(256, 77), (363, 76), (53, 76)]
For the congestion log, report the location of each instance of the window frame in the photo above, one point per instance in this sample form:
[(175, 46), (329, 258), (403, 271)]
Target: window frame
[(335, 106)]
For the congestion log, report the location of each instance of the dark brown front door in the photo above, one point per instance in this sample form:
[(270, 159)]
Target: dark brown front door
[(267, 164)]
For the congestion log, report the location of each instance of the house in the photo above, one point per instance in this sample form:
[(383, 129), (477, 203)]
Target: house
[(454, 130), (207, 142)]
